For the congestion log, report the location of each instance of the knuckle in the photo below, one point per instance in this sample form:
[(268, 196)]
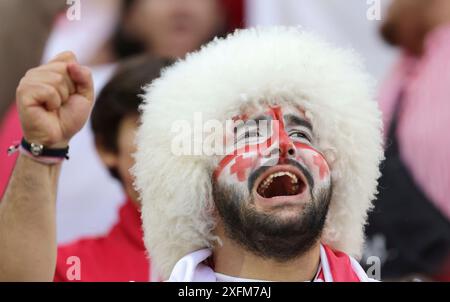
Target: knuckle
[(59, 79), (29, 72), (48, 90), (20, 91), (70, 55), (23, 87), (59, 65), (53, 92)]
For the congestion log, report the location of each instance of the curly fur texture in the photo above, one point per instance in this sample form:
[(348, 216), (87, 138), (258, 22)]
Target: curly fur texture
[(250, 67)]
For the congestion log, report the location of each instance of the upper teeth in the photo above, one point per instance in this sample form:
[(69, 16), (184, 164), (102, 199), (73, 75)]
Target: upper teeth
[(269, 179)]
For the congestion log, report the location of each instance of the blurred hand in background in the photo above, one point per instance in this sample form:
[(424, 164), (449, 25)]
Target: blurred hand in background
[(409, 21), (25, 28)]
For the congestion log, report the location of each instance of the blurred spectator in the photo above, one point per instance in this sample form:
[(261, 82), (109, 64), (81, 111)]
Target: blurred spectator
[(168, 28), (114, 122), (87, 198), (410, 226), (87, 37), (111, 30), (341, 23)]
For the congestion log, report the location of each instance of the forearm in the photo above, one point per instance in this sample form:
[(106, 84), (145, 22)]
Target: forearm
[(51, 112), (28, 223)]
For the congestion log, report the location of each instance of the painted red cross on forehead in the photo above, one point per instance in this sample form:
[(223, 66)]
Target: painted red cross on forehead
[(279, 134)]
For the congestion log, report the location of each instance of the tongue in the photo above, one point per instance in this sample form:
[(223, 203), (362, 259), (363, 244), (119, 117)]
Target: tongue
[(280, 186)]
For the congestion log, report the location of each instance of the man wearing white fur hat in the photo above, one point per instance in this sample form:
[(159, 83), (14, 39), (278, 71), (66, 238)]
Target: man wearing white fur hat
[(285, 196), (274, 186)]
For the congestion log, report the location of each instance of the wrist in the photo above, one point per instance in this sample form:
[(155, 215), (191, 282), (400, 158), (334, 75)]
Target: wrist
[(46, 143), (55, 154), (31, 161)]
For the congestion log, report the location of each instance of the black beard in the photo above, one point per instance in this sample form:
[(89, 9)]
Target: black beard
[(269, 236)]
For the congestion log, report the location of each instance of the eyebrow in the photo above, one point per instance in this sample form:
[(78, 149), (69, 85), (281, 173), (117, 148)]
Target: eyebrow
[(292, 119), (257, 119)]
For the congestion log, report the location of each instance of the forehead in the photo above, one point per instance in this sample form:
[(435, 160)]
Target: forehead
[(271, 111)]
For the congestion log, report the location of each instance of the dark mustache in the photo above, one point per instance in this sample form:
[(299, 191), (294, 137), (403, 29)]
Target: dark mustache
[(261, 170)]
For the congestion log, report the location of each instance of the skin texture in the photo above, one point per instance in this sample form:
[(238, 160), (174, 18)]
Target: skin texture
[(173, 28), (54, 102), (409, 21), (271, 238)]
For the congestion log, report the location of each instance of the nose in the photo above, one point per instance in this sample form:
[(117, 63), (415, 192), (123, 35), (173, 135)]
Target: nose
[(281, 151), (286, 146), (286, 149)]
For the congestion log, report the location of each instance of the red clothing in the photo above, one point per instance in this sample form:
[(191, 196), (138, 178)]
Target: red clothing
[(10, 134), (340, 267), (120, 256), (235, 11)]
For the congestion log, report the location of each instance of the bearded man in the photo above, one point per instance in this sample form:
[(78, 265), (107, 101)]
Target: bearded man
[(284, 195), (287, 199)]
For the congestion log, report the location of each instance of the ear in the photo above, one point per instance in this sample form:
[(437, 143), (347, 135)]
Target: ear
[(109, 158)]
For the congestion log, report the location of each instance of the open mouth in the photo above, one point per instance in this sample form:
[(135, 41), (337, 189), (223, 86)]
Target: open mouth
[(281, 181)]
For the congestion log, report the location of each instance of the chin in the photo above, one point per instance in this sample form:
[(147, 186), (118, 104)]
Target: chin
[(286, 213)]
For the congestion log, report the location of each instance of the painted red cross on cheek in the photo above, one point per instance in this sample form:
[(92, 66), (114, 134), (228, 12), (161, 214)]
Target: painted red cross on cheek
[(278, 137), (323, 167), (240, 167)]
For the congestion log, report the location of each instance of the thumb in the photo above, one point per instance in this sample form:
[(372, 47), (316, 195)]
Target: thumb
[(82, 78)]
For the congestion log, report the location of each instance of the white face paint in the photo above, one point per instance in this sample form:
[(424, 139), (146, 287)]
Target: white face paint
[(273, 190), (273, 160)]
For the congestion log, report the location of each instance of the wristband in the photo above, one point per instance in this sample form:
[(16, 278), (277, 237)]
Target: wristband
[(40, 153)]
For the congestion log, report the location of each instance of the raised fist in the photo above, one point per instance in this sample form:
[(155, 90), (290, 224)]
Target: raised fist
[(54, 101)]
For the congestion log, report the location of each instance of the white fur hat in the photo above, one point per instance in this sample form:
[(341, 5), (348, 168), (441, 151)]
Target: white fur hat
[(252, 66)]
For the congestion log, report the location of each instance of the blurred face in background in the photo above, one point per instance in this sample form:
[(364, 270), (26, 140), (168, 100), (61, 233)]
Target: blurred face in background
[(409, 21), (404, 24), (123, 160), (172, 28)]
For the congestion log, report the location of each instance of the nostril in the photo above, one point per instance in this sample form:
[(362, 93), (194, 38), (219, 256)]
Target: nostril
[(291, 152)]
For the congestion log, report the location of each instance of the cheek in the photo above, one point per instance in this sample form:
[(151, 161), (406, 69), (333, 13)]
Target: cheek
[(152, 11), (237, 168), (151, 20), (125, 162), (315, 163)]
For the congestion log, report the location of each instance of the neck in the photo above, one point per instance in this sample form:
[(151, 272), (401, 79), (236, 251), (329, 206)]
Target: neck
[(233, 260)]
